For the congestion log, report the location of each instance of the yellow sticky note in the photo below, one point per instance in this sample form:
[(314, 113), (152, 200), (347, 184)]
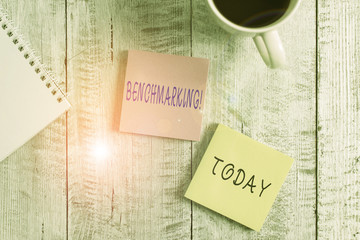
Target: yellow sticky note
[(239, 177)]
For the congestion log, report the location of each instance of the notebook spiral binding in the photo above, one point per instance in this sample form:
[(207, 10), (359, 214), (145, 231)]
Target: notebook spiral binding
[(29, 55)]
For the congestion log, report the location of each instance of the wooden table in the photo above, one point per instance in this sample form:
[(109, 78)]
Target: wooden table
[(54, 188)]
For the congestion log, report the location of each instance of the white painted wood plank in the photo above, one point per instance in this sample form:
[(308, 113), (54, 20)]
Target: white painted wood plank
[(32, 179), (275, 107), (339, 119), (137, 192)]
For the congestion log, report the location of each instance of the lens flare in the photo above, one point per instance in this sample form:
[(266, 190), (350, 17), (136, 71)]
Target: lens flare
[(100, 150)]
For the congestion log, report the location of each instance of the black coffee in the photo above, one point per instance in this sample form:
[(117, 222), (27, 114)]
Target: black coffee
[(252, 13)]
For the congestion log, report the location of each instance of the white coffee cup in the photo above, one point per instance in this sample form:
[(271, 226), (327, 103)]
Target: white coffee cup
[(266, 38)]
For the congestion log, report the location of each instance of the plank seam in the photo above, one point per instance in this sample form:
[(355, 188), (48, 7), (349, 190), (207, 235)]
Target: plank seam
[(191, 26), (66, 128), (316, 116)]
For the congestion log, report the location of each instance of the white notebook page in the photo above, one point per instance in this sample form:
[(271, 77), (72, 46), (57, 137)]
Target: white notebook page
[(26, 103)]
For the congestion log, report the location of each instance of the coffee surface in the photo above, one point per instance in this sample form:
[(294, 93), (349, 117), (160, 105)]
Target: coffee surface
[(252, 13)]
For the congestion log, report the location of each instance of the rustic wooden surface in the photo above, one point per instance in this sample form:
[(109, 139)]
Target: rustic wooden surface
[(338, 120), (54, 188)]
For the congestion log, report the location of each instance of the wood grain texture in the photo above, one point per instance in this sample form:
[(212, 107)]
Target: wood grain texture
[(32, 179), (137, 192), (275, 107), (338, 120)]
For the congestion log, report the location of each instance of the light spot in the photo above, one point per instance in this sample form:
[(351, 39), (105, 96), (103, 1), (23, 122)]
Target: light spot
[(100, 150)]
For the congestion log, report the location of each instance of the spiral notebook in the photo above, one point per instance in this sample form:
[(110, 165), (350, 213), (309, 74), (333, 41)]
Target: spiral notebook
[(29, 97)]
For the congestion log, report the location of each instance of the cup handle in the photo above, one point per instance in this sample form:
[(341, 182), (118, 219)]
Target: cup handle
[(270, 48)]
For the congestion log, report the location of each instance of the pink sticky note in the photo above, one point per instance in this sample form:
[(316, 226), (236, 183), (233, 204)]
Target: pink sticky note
[(164, 95)]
